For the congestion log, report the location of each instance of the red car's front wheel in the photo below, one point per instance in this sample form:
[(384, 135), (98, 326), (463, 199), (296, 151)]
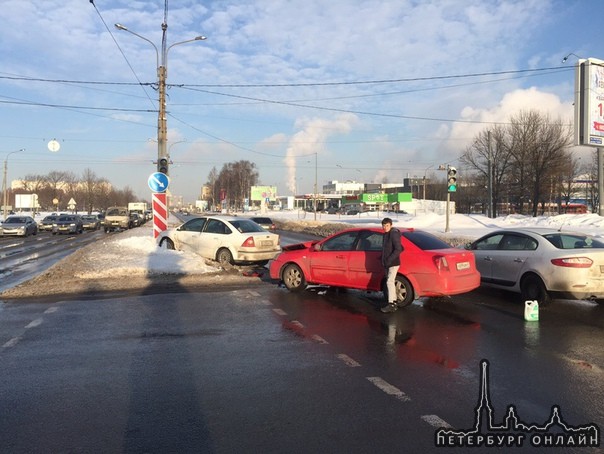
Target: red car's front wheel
[(293, 278)]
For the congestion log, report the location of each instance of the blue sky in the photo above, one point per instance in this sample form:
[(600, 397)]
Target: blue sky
[(377, 89)]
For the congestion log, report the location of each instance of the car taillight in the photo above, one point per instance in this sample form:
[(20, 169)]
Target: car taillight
[(441, 263), (573, 262), (249, 242)]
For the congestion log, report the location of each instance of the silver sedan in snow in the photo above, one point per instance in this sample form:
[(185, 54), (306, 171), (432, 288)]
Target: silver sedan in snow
[(541, 263)]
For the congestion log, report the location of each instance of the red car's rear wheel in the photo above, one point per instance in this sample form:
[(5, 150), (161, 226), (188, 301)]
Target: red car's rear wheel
[(404, 291)]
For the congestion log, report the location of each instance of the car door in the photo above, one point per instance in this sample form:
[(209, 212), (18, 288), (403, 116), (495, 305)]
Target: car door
[(329, 260), (514, 251), (215, 234), (365, 261), (188, 234), (485, 252)]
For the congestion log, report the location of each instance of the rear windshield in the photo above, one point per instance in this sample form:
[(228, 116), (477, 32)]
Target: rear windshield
[(574, 241), (425, 241), (246, 226), (262, 220)]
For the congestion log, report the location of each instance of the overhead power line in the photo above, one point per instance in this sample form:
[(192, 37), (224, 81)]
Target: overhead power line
[(301, 84)]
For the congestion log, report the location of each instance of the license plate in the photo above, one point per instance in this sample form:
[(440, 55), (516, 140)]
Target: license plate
[(463, 266), (267, 243)]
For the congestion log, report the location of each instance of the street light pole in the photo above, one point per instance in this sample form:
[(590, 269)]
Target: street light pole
[(425, 171), (160, 209), (4, 189)]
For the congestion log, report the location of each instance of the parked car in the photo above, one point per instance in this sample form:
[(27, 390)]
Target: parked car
[(91, 222), (264, 222), (45, 225), (68, 223), (352, 259), (19, 226), (224, 239), (542, 264)]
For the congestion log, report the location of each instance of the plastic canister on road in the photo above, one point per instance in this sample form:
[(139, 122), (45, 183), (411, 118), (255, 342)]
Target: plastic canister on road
[(531, 311)]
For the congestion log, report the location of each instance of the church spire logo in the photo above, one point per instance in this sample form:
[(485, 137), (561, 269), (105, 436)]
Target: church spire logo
[(512, 432)]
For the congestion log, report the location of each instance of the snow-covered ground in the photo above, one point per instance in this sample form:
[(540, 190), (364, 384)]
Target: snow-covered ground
[(139, 255)]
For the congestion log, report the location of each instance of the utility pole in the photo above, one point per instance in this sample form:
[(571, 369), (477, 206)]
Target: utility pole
[(489, 176)]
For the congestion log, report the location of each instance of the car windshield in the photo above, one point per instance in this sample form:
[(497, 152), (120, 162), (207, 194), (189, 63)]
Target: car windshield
[(246, 226), (49, 218), (426, 241), (89, 218), (66, 218), (573, 241), (15, 221), (117, 212)]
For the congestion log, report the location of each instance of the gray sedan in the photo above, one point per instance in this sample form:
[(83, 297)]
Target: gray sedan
[(19, 226), (542, 264), (71, 223)]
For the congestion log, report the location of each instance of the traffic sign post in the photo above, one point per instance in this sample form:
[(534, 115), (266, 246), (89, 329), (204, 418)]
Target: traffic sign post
[(158, 183)]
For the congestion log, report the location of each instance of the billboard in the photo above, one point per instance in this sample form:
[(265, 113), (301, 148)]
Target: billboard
[(589, 102), (26, 202), (264, 193)]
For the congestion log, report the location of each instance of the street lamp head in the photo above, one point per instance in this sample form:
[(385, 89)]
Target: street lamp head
[(120, 27), (565, 59), (200, 38)]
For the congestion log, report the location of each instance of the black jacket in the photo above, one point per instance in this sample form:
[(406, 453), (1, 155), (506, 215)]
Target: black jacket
[(392, 248)]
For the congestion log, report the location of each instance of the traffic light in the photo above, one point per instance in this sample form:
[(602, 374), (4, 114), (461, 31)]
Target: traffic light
[(452, 179), (162, 165)]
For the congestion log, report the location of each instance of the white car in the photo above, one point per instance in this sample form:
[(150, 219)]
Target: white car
[(223, 239), (542, 264)]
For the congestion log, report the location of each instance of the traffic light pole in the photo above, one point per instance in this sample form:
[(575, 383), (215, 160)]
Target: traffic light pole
[(447, 229)]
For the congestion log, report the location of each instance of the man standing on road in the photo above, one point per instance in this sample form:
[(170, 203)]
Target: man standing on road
[(391, 260)]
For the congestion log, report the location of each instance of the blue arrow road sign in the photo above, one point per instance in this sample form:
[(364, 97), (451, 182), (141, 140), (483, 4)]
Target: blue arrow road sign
[(158, 182)]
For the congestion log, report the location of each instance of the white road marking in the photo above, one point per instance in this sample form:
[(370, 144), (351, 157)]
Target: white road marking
[(50, 310), (297, 323), (279, 311), (348, 360), (253, 293), (318, 339), (12, 342), (437, 422), (389, 389), (34, 323)]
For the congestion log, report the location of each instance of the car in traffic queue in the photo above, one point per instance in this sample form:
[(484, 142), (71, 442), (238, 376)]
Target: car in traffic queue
[(91, 222), (541, 264), (225, 239), (68, 223), (45, 225), (352, 259), (17, 225), (136, 219), (264, 222)]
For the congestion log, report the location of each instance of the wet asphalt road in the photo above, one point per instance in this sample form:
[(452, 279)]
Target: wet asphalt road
[(259, 369)]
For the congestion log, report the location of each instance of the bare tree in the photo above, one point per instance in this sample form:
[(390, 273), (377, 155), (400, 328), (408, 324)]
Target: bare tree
[(491, 152), (213, 183), (540, 148)]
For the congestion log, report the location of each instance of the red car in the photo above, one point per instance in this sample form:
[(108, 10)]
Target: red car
[(352, 259)]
